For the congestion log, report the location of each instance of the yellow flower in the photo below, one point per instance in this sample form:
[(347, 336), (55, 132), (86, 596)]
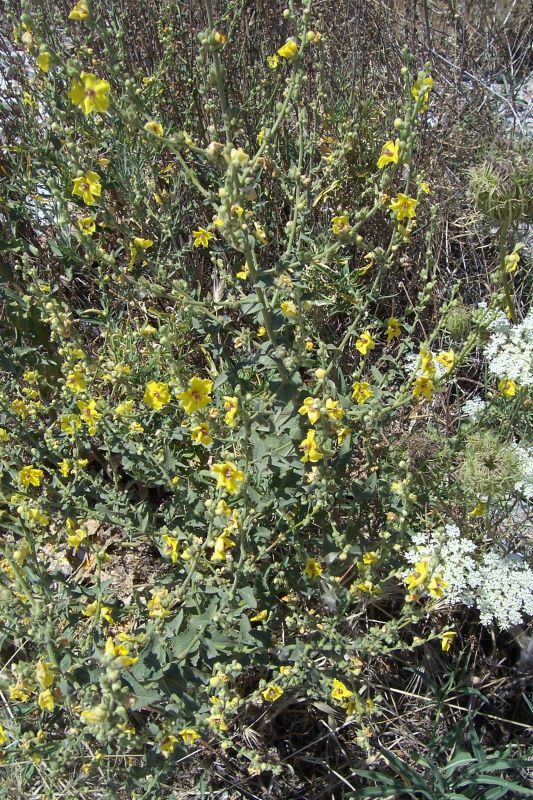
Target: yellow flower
[(155, 605), (3, 737), (333, 409), (75, 534), (45, 701), (511, 262), (80, 11), (426, 362), (44, 674), (119, 653), (244, 272), (4, 437), (288, 309), (89, 414), (154, 127), (64, 467), (260, 616), (142, 244), (43, 61), (365, 343), (446, 639), (312, 569), (228, 476), (87, 225), (447, 359), (479, 510), (102, 612), (422, 86), (202, 237), (171, 547), (403, 206), (311, 407), (20, 691), (390, 153), (94, 716), (197, 396), (273, 61), (289, 50), (309, 449), (423, 386), (88, 187), (340, 224), (69, 423), (156, 395), (340, 691), (19, 407), (200, 434), (189, 735), (222, 543), (272, 692), (231, 406), (393, 328), (76, 381), (124, 408), (436, 586), (370, 558), (259, 234), (418, 577), (507, 387), (261, 135), (168, 744), (424, 186), (30, 476), (90, 93), (309, 345), (342, 433)]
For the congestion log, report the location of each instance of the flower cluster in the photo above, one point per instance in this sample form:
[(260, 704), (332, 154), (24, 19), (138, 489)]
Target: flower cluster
[(499, 586), (509, 351)]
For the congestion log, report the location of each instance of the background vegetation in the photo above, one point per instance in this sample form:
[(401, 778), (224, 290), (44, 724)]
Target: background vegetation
[(266, 468)]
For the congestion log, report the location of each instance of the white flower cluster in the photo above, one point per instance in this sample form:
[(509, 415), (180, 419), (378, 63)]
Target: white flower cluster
[(509, 352), (500, 587), (525, 484), (474, 408), (412, 366)]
